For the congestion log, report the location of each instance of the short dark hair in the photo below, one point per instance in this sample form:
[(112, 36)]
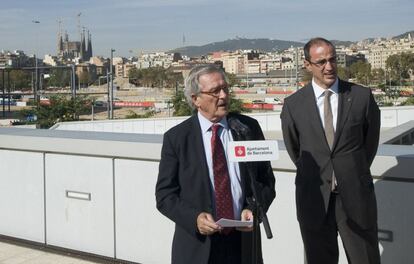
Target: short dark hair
[(313, 42)]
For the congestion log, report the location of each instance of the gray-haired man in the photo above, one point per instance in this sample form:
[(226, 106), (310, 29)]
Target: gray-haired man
[(197, 184)]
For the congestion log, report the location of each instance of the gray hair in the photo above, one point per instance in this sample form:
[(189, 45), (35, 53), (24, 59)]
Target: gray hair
[(192, 84)]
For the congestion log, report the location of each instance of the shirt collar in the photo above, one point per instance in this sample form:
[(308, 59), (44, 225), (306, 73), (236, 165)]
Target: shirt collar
[(206, 124), (319, 91)]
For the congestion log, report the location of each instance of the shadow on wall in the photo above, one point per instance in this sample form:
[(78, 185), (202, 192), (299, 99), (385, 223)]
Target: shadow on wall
[(395, 199)]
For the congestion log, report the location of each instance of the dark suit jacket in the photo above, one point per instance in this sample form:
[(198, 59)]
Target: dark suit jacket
[(184, 190), (355, 145)]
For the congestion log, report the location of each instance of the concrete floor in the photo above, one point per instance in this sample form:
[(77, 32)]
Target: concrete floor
[(13, 253)]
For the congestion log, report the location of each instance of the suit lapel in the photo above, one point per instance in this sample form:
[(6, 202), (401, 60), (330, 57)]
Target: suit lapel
[(200, 152), (344, 105)]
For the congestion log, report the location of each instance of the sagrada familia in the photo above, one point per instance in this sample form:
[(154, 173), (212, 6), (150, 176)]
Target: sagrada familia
[(70, 50)]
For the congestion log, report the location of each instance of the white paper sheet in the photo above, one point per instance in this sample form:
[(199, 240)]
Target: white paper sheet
[(223, 222)]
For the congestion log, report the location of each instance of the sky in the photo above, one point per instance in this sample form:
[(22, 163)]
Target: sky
[(134, 26)]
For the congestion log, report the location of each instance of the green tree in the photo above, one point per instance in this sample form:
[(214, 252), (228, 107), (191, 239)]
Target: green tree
[(343, 73), (236, 105), (361, 71), (378, 76), (173, 78), (181, 107), (59, 109), (59, 77), (155, 77), (19, 79), (400, 65), (84, 78)]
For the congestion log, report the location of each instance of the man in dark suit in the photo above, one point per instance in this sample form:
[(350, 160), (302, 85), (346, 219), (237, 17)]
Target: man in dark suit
[(331, 131), (197, 185)]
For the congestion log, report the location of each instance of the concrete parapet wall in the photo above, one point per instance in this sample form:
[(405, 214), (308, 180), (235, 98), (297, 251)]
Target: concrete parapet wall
[(390, 117), (94, 193)]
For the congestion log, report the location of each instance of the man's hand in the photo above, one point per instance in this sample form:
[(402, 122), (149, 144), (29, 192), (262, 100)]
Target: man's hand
[(206, 224), (246, 215)]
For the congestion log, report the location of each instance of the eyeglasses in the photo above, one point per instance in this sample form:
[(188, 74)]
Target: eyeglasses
[(216, 92), (323, 62)]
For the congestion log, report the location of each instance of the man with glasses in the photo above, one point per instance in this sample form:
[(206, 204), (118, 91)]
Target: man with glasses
[(331, 132), (197, 185)]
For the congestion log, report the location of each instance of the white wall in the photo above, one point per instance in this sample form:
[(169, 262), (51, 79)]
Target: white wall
[(21, 195), (142, 233), (81, 224), (121, 221)]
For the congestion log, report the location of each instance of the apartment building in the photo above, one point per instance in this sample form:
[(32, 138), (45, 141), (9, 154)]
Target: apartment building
[(16, 58), (381, 49)]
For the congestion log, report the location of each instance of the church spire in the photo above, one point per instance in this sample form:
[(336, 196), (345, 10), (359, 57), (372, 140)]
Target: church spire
[(89, 50)]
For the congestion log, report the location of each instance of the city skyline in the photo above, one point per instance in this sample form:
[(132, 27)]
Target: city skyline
[(131, 27)]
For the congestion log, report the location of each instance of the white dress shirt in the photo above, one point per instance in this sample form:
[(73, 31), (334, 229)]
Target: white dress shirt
[(233, 167), (320, 96)]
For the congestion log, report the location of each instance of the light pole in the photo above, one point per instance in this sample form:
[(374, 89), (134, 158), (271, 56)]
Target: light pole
[(73, 80), (111, 91), (297, 68), (35, 87), (247, 71)]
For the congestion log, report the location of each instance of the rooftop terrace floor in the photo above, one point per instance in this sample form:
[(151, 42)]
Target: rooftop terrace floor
[(12, 252)]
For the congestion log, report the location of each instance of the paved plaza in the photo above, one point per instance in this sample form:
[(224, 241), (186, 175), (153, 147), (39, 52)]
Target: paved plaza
[(17, 253)]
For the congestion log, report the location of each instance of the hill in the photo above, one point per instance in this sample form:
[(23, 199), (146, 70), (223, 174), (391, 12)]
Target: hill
[(405, 35), (262, 44)]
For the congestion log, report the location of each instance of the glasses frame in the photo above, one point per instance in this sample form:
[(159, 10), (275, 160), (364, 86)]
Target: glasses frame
[(323, 62), (216, 92)]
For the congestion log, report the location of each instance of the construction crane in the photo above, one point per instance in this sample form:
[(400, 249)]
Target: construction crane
[(79, 24)]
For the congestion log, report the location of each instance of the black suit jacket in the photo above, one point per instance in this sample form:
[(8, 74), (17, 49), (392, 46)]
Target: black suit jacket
[(355, 145), (184, 190)]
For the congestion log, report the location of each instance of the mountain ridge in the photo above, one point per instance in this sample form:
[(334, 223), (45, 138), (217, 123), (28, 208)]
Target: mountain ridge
[(262, 44)]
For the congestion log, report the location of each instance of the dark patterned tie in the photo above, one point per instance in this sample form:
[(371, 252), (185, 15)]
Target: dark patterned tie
[(222, 190), (329, 128)]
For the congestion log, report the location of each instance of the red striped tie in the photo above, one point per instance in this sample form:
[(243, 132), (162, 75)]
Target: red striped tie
[(222, 189)]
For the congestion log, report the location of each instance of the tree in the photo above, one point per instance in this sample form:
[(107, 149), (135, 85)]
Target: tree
[(19, 79), (59, 77), (361, 71), (173, 79), (343, 73), (155, 77), (232, 79), (181, 107), (59, 109), (378, 75), (236, 105), (84, 78), (400, 65)]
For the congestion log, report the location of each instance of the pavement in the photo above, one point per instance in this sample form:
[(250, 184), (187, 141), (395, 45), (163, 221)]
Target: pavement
[(17, 253)]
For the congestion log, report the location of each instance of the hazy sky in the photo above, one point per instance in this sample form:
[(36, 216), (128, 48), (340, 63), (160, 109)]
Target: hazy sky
[(131, 26)]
